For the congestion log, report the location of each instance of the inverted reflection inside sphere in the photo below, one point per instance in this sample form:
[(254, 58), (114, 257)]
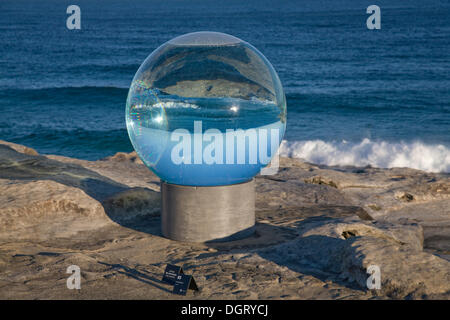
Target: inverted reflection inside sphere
[(206, 109)]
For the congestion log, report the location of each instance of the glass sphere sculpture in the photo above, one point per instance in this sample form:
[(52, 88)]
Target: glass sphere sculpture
[(206, 109)]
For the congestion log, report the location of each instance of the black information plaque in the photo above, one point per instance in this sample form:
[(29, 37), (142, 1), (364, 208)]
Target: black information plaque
[(171, 273), (183, 283)]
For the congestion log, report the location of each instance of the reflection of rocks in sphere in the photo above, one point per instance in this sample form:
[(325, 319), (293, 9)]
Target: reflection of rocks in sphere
[(206, 108)]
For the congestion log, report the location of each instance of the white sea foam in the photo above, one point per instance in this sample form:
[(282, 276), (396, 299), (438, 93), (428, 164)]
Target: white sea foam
[(417, 155), (175, 104), (168, 105)]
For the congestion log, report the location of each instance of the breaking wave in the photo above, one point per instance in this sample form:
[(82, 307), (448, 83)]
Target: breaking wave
[(167, 105), (382, 154)]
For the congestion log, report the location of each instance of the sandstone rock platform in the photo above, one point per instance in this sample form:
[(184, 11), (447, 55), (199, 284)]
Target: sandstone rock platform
[(318, 230)]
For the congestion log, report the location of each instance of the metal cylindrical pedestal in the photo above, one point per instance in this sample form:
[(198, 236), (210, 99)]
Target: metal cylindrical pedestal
[(199, 214)]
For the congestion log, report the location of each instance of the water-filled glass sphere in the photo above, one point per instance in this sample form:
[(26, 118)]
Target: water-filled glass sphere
[(206, 109)]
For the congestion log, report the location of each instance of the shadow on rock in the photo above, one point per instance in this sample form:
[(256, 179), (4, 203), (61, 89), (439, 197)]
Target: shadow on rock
[(323, 257), (137, 275)]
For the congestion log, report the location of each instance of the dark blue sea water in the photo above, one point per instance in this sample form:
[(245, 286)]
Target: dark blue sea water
[(355, 96)]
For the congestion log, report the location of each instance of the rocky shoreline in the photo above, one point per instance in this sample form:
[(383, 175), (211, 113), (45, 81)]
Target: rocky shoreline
[(318, 230)]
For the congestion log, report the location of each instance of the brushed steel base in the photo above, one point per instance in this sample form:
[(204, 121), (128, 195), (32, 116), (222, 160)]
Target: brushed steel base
[(201, 214)]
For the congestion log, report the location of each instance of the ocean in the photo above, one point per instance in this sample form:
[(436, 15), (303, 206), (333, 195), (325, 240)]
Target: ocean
[(354, 96)]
